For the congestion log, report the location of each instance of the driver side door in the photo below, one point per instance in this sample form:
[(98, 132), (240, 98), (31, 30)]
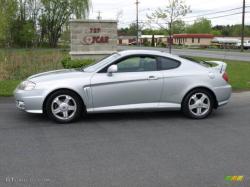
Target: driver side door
[(137, 84)]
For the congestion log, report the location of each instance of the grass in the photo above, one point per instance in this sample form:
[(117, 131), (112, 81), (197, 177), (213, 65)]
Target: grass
[(8, 86), (239, 75), (18, 64), (238, 72)]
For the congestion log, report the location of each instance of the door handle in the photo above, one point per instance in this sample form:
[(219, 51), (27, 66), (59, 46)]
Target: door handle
[(151, 77)]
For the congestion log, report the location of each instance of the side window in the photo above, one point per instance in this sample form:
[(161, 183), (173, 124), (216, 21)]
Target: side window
[(148, 64), (168, 63), (137, 64), (129, 65)]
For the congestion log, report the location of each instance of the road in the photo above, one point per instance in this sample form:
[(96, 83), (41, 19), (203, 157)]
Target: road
[(155, 149), (228, 55)]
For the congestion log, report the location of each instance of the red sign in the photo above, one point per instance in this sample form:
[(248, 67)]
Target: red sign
[(88, 40)]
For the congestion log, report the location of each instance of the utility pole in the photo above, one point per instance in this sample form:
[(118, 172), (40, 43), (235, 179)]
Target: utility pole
[(99, 15), (137, 22), (243, 25)]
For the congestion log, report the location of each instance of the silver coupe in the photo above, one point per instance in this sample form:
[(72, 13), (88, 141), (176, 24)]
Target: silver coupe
[(129, 80)]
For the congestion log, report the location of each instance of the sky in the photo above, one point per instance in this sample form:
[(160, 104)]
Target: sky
[(127, 12)]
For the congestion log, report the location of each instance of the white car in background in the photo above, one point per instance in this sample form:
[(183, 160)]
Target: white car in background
[(246, 44)]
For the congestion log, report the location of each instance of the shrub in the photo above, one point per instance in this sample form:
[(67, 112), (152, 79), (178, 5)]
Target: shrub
[(162, 44), (68, 63), (146, 43)]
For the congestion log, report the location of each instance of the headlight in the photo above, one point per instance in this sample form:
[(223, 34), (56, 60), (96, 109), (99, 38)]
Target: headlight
[(27, 85)]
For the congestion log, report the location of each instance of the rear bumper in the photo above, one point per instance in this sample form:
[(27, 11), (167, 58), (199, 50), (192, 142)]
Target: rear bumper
[(223, 103), (223, 94), (29, 101)]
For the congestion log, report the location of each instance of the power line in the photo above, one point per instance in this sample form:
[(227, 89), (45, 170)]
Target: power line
[(198, 16), (216, 12), (145, 9), (220, 16), (227, 15)]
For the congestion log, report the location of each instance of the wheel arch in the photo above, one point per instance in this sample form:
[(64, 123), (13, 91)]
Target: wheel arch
[(205, 88), (59, 89)]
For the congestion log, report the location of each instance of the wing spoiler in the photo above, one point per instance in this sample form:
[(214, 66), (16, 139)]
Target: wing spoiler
[(218, 65)]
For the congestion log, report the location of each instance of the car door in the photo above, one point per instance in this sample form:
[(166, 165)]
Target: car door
[(136, 84), (174, 82)]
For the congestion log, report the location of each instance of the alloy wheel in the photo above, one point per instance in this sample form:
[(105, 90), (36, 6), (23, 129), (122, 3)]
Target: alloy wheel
[(199, 104), (63, 107)]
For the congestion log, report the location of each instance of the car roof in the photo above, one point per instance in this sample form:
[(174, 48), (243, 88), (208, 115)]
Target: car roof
[(146, 52), (159, 53)]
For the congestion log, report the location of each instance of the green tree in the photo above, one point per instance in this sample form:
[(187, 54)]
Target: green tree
[(216, 32), (131, 30), (154, 31), (165, 17), (236, 30), (27, 34), (7, 15), (232, 30), (57, 14), (201, 25), (179, 27)]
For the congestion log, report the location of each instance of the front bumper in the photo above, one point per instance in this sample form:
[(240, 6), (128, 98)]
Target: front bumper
[(29, 101)]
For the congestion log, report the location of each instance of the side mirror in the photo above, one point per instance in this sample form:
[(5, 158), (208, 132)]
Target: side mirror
[(112, 69)]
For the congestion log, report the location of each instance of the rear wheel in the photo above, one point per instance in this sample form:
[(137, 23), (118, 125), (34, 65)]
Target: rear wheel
[(198, 104), (64, 106)]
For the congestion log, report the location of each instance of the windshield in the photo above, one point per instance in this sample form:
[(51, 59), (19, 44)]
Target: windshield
[(102, 63), (201, 62)]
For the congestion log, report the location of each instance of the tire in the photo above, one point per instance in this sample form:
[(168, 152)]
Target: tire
[(64, 106), (198, 104)]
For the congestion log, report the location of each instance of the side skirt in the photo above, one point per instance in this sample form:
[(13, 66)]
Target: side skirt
[(136, 107)]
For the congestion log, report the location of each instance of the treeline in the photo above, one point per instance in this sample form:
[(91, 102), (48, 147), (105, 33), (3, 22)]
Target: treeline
[(33, 23), (202, 25)]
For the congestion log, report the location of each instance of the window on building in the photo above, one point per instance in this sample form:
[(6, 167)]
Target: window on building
[(192, 40), (199, 40)]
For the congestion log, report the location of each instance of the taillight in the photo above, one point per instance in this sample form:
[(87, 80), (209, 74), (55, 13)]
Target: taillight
[(225, 76)]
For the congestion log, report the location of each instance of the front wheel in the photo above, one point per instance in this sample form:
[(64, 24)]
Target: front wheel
[(64, 106), (198, 104)]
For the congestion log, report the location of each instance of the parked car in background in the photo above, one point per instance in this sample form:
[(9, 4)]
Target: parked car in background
[(246, 44), (128, 81)]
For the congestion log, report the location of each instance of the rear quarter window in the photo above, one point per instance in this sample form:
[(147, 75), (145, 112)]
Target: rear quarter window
[(168, 63)]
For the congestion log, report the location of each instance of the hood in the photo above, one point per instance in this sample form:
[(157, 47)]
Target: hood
[(58, 74)]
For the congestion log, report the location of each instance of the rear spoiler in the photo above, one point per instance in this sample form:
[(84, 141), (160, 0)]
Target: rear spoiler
[(218, 65)]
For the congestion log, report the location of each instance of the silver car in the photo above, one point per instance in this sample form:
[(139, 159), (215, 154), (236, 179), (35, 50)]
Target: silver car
[(130, 80)]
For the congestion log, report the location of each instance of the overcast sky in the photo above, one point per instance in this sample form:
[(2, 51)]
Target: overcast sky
[(110, 8)]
